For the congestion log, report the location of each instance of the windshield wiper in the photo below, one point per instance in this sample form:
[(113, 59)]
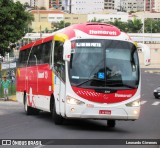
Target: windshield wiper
[(121, 84), (88, 81)]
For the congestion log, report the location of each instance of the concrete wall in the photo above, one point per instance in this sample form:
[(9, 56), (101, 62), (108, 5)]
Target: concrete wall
[(155, 54)]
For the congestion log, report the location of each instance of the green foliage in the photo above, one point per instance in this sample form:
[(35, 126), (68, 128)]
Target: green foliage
[(152, 25), (42, 8), (95, 20), (60, 25), (134, 25), (13, 21), (121, 25)]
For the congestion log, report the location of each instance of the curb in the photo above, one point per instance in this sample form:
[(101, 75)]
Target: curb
[(13, 98), (153, 71)]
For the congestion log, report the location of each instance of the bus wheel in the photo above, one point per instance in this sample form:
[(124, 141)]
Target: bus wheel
[(29, 110), (111, 123), (58, 120)]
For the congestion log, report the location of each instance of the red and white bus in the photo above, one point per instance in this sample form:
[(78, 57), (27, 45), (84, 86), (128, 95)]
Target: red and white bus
[(86, 70)]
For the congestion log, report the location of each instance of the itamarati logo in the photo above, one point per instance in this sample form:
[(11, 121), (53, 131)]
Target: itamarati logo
[(103, 32)]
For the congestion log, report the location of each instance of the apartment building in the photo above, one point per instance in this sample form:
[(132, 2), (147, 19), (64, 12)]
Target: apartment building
[(57, 4), (156, 6), (43, 19), (84, 6), (153, 5), (132, 5), (149, 5), (109, 4)]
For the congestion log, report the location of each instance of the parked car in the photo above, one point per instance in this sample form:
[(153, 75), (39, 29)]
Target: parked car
[(157, 92)]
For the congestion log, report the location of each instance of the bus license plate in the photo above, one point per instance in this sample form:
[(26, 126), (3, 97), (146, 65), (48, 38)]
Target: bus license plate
[(108, 112)]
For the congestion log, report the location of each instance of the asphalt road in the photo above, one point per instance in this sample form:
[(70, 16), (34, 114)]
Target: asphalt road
[(14, 124)]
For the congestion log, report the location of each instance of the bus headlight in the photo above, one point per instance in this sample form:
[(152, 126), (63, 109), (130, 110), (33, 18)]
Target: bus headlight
[(71, 100), (135, 103)]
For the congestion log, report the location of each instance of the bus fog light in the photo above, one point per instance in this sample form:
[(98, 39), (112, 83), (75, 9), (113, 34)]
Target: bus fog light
[(134, 103), (71, 100), (72, 109), (135, 112)]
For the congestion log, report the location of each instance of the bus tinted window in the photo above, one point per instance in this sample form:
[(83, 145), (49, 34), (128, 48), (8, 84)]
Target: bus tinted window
[(23, 57), (40, 54)]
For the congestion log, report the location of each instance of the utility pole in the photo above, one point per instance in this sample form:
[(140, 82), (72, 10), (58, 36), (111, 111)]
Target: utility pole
[(144, 19), (70, 7)]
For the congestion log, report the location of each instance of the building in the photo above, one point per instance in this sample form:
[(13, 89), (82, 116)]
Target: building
[(84, 6), (132, 5), (109, 17), (75, 18), (109, 5), (44, 19), (117, 4), (156, 6), (56, 4), (149, 5), (146, 14)]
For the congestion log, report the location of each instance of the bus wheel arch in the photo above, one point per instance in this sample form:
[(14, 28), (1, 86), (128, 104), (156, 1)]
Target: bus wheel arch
[(58, 119), (29, 110)]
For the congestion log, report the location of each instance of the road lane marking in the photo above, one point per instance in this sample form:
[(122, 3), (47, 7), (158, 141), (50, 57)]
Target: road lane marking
[(156, 103), (143, 102)]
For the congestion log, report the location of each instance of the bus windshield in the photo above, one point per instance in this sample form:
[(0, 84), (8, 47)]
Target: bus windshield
[(104, 63)]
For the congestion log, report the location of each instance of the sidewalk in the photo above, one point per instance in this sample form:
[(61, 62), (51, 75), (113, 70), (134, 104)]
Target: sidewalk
[(11, 98), (155, 66)]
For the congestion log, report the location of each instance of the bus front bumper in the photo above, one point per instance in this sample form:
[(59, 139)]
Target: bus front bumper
[(116, 113)]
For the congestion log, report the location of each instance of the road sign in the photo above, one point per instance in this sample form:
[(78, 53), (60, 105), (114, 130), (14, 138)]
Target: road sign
[(8, 65)]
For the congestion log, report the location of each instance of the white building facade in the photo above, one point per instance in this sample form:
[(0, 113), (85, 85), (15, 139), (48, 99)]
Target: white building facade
[(156, 5), (132, 5), (109, 17), (109, 4), (85, 6)]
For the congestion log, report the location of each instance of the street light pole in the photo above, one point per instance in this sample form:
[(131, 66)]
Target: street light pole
[(144, 19)]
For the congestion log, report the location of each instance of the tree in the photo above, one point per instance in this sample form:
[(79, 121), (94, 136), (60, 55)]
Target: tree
[(95, 20), (13, 20), (60, 25), (134, 25), (152, 26), (121, 25), (42, 8)]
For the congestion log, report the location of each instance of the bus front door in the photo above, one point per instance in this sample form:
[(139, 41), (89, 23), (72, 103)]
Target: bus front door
[(59, 93)]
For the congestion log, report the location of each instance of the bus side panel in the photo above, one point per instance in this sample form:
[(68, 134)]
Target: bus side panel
[(21, 83), (39, 86)]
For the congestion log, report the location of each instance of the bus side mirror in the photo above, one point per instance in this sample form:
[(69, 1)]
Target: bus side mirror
[(146, 51), (67, 50)]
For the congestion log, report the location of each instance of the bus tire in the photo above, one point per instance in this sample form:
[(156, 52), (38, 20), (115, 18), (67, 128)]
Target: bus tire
[(29, 110), (58, 120), (111, 123)]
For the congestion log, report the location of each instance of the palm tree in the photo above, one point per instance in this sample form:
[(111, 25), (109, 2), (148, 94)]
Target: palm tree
[(121, 25), (134, 25)]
